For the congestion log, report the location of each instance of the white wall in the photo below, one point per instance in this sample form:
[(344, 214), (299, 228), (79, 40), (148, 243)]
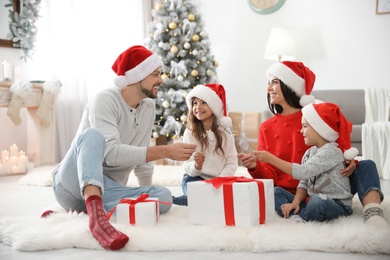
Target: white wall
[(343, 41)]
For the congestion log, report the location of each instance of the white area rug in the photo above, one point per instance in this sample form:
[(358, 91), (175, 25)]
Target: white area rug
[(174, 233)]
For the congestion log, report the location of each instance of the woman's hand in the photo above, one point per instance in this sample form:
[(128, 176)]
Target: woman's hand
[(248, 160)]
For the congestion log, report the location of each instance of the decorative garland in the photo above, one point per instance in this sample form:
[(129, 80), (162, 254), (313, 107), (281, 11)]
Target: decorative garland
[(22, 26)]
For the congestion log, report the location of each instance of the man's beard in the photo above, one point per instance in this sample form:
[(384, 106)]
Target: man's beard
[(148, 93)]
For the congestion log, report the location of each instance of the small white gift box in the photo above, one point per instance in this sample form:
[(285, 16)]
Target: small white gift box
[(231, 201), (141, 211)]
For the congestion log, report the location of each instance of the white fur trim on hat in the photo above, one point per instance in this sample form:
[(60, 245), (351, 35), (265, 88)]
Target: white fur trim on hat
[(306, 100), (351, 153), (322, 128), (212, 100), (139, 72), (288, 76)]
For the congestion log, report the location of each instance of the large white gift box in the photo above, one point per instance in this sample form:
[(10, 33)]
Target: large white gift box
[(231, 201), (139, 211)]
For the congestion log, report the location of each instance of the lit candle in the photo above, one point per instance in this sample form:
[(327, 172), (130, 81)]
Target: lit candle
[(14, 150), (22, 163), (22, 153), (4, 156), (1, 169), (15, 169), (13, 160), (17, 73)]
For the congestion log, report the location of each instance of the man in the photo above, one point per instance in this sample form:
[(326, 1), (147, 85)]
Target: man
[(112, 140)]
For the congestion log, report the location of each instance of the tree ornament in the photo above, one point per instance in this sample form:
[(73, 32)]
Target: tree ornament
[(216, 63), (191, 17), (203, 34), (174, 49), (195, 37), (187, 45), (203, 59), (160, 44), (183, 118), (194, 73), (158, 6), (172, 25), (164, 76), (195, 52), (180, 78), (209, 72), (166, 104), (155, 135)]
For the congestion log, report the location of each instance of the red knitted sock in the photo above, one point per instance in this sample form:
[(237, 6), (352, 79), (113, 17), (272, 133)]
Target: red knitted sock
[(107, 236)]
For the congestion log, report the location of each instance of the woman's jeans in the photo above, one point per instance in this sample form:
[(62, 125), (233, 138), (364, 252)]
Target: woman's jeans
[(82, 166), (365, 178), (319, 207)]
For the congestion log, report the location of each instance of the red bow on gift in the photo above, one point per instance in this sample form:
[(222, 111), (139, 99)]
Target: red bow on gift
[(132, 203), (227, 184)]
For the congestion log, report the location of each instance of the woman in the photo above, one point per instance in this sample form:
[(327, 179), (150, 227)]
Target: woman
[(289, 87)]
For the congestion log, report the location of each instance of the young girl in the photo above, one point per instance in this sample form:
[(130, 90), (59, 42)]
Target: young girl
[(323, 193), (209, 128)]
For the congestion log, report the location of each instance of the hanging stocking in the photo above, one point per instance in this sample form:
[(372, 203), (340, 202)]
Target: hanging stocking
[(50, 92), (20, 90)]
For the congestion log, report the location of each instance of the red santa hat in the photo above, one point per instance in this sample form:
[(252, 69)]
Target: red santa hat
[(134, 64), (297, 77), (215, 96), (330, 123)]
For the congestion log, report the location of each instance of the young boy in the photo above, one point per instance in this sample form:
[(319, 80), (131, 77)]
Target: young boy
[(323, 193)]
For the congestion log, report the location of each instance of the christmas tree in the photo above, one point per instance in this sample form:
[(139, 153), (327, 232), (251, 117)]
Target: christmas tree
[(176, 34)]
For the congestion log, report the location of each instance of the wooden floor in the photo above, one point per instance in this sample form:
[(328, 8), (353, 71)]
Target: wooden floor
[(18, 200)]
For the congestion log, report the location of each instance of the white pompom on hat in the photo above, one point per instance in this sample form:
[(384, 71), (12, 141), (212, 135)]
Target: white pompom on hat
[(134, 64), (297, 77), (330, 123), (215, 97)]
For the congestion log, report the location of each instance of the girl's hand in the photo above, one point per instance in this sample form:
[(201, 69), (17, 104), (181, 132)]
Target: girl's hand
[(199, 160), (262, 156)]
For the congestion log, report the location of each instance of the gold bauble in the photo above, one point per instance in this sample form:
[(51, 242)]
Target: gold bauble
[(158, 6), (216, 63), (195, 37), (172, 25), (164, 76), (194, 73), (174, 49), (191, 17)]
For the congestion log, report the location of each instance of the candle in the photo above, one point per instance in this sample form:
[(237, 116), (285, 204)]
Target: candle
[(4, 156), (1, 169), (17, 73), (7, 70), (14, 169), (13, 160), (14, 150), (22, 163)]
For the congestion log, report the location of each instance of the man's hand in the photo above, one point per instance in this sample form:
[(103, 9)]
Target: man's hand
[(180, 151), (248, 160)]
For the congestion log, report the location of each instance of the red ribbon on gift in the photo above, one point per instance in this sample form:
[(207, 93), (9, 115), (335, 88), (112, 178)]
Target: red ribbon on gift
[(227, 184), (132, 203)]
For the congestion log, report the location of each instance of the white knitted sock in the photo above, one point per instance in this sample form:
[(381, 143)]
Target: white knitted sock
[(373, 215)]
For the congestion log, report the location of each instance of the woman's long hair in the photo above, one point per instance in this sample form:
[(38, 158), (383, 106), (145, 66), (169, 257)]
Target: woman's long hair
[(289, 95), (200, 134)]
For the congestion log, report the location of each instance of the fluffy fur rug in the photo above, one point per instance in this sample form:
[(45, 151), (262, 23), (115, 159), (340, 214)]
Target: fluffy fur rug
[(174, 233)]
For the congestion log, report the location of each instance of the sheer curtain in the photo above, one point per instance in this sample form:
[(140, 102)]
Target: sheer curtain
[(77, 42)]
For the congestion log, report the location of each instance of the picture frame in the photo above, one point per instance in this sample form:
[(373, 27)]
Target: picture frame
[(382, 6)]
